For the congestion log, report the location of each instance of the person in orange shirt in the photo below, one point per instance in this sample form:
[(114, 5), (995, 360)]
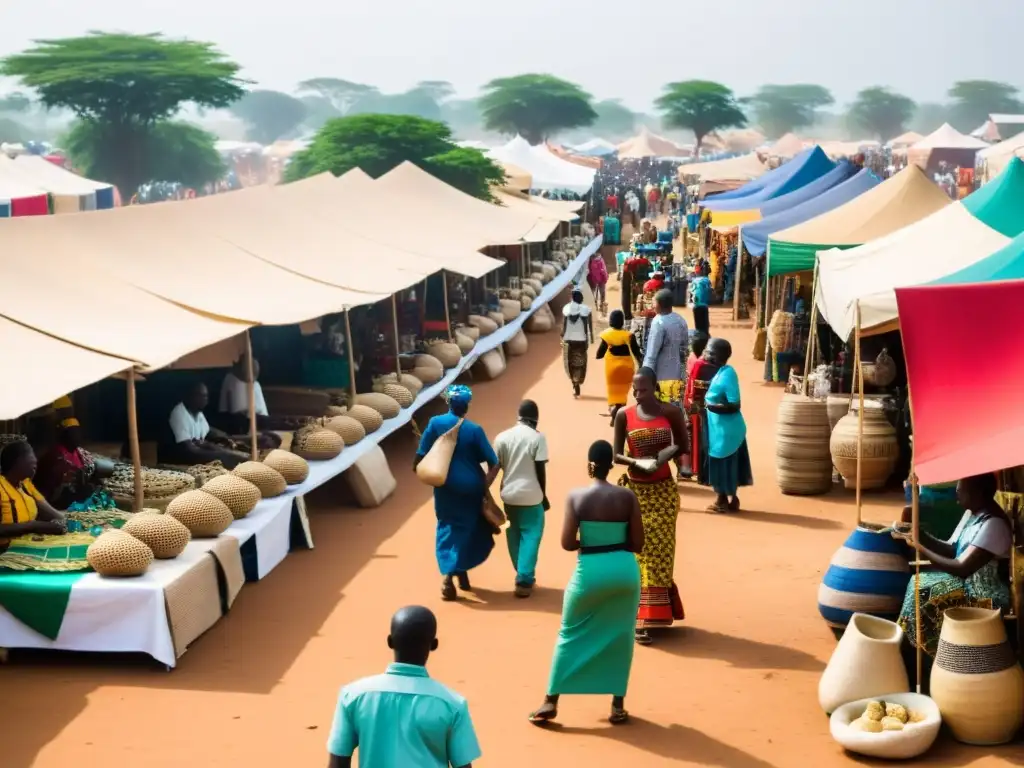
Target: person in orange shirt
[(653, 200)]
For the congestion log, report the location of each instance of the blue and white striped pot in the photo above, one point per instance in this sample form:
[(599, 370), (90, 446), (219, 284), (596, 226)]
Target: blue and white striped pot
[(868, 574)]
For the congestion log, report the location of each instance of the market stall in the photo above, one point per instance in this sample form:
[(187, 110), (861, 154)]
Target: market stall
[(549, 171), (71, 192)]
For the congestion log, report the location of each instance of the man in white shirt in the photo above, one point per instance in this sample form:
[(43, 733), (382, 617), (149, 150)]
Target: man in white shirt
[(192, 439), (523, 454), (234, 403)]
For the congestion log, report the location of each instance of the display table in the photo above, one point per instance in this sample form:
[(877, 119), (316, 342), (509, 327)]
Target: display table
[(264, 535)]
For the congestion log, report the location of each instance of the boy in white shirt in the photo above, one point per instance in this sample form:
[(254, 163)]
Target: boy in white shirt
[(523, 454)]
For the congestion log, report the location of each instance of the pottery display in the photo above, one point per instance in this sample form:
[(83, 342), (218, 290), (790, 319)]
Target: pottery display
[(865, 665), (976, 680), (914, 740), (803, 464), (868, 574), (880, 449)]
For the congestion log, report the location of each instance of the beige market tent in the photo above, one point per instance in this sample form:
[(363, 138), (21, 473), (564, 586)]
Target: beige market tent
[(742, 168), (55, 368), (572, 206), (904, 140), (998, 155), (788, 146), (551, 218), (515, 177), (647, 144), (947, 144)]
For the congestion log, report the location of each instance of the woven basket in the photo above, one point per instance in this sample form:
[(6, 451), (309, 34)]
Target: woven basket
[(498, 318), (538, 322), (528, 293), (335, 410), (163, 534), (464, 343), (386, 406), (347, 428), (293, 468), (407, 380), (525, 302), (517, 345), (116, 553), (316, 444), (446, 352), (156, 483), (428, 375), (549, 270), (239, 495), (396, 392), (490, 366), (469, 331), (536, 266), (485, 325), (367, 416), (201, 473), (780, 329), (268, 481), (427, 361), (202, 513), (535, 284), (510, 309)]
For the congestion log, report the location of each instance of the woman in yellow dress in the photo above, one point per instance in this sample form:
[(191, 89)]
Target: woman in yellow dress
[(23, 510), (618, 348)]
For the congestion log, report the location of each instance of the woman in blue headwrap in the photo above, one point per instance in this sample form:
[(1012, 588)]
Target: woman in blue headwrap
[(465, 537)]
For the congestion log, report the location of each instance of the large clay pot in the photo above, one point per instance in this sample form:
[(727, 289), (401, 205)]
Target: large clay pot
[(866, 664), (837, 406), (803, 464), (868, 574), (880, 449), (976, 680)]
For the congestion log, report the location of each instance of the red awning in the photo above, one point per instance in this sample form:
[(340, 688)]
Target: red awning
[(965, 363)]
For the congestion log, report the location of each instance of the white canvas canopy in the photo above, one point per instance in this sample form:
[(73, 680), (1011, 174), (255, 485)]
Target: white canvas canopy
[(947, 137), (548, 171), (998, 155), (54, 179)]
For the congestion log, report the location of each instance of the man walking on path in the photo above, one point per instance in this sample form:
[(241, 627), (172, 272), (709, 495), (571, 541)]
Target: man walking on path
[(403, 718), (523, 454)]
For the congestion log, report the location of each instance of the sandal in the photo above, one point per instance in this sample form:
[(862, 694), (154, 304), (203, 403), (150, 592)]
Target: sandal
[(734, 505), (716, 509), (463, 580), (642, 637), (545, 714), (618, 716), (448, 591)]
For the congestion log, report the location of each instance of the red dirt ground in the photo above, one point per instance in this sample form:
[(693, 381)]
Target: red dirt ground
[(733, 686)]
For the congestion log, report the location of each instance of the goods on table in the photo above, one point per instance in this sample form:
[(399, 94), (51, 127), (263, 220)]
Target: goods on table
[(428, 375), (469, 331), (268, 481), (534, 284), (869, 574), (446, 352), (880, 449), (549, 271), (976, 680), (386, 406), (802, 461), (335, 410), (370, 478), (293, 468), (540, 321), (163, 534), (396, 392), (51, 553), (525, 302), (313, 443), (490, 365), (497, 317), (407, 380), (159, 486), (510, 309), (116, 553), (485, 325), (517, 345), (896, 726), (464, 343), (537, 266), (866, 663), (528, 292), (349, 429), (240, 495), (365, 415), (538, 277), (202, 513), (880, 373)]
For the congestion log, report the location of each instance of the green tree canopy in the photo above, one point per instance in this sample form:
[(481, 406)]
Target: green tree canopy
[(780, 109), (378, 143), (701, 106), (462, 115), (342, 94), (419, 102), (535, 106), (614, 119), (881, 112), (439, 90), (124, 86), (974, 100), (269, 115)]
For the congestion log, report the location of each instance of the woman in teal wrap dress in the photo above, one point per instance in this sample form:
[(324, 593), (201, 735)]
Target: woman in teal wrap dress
[(594, 652)]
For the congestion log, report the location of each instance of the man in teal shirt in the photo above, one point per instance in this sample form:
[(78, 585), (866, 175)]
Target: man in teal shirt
[(403, 718)]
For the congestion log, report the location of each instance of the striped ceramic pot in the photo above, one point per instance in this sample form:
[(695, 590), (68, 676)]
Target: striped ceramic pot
[(868, 574), (976, 680)]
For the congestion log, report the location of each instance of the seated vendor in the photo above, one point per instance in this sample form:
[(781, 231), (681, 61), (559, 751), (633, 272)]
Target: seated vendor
[(968, 570), (234, 403), (23, 510), (68, 476), (191, 440)]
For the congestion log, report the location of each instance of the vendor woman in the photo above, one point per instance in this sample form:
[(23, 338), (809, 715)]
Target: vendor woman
[(234, 402), (68, 476), (968, 570), (23, 510), (192, 440)]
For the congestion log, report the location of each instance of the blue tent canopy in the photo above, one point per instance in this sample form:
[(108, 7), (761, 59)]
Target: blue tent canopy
[(844, 170), (755, 235), (798, 172), (751, 187)]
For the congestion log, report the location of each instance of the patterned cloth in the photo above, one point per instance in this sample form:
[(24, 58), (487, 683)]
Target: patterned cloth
[(574, 357)]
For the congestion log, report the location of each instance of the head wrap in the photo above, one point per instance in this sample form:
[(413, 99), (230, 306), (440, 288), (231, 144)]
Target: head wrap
[(458, 393), (65, 410)]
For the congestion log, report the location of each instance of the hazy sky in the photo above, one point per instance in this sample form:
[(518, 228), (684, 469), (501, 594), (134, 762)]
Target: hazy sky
[(916, 46)]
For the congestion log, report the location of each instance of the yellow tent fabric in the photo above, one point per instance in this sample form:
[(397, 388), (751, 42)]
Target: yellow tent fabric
[(723, 221)]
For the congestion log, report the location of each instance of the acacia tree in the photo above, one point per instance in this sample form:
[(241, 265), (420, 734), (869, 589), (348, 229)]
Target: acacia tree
[(783, 108), (701, 106), (881, 111), (535, 106), (123, 87), (378, 143), (269, 115), (342, 94), (974, 100)]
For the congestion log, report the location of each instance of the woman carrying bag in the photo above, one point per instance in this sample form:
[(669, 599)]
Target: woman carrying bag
[(449, 457)]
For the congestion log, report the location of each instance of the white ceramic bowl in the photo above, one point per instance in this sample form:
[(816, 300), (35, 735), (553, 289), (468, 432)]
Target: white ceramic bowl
[(915, 739)]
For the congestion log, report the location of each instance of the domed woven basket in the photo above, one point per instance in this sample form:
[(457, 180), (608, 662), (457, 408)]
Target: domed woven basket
[(428, 375), (240, 495), (549, 271), (202, 513), (293, 468), (538, 277), (316, 444), (268, 481), (464, 343), (367, 416), (510, 309), (446, 352), (386, 406), (490, 366), (485, 325), (517, 345), (528, 292), (538, 322), (525, 302), (470, 331), (536, 266), (396, 392), (350, 430), (407, 380), (497, 317), (535, 284), (163, 534), (335, 410), (119, 554), (427, 361)]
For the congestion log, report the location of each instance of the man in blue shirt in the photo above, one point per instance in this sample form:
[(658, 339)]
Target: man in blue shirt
[(667, 344), (403, 718)]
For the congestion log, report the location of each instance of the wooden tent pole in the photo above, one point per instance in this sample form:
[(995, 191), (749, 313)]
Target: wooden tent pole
[(860, 413), (737, 280), (812, 335), (351, 360), (447, 314), (394, 316), (254, 450), (133, 442)]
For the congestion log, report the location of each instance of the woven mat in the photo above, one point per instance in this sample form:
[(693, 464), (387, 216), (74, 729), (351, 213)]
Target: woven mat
[(204, 593)]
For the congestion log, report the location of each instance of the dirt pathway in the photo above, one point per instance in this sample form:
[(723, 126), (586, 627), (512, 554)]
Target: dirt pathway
[(732, 686)]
